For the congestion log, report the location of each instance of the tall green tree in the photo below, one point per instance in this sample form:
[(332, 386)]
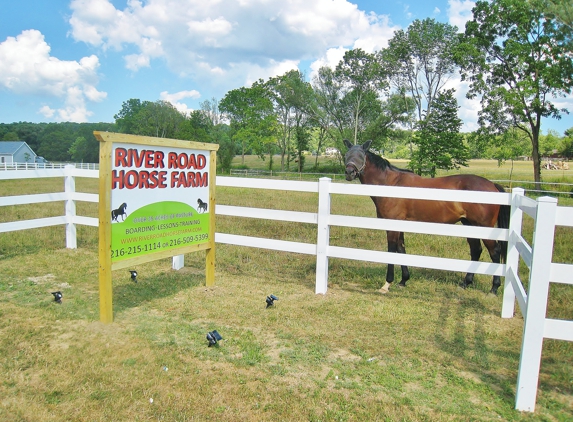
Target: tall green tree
[(160, 119), (363, 80), (518, 57), (125, 119), (396, 111), (420, 61), (196, 127), (331, 109), (252, 116), (292, 99), (439, 141), (79, 149)]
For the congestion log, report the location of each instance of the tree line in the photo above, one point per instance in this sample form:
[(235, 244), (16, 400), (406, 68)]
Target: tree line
[(516, 56)]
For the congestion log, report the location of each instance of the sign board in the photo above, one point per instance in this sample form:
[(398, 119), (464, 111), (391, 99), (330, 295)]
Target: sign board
[(156, 201)]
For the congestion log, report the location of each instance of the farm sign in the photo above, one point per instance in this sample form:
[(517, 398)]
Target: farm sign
[(159, 200), (156, 201)]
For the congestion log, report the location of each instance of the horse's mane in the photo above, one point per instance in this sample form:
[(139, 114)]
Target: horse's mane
[(383, 163)]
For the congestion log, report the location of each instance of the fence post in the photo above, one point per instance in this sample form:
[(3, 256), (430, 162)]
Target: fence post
[(70, 207), (323, 235), (534, 324), (512, 260)]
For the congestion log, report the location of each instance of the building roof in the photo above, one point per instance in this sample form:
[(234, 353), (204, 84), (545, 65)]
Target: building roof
[(11, 147)]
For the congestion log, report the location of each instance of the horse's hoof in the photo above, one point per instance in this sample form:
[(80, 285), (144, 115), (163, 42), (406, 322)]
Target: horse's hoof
[(385, 288), (402, 284), (493, 292), (464, 285)]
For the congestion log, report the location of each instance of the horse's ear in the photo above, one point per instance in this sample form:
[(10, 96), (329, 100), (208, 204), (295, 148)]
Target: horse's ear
[(366, 145), (347, 143)]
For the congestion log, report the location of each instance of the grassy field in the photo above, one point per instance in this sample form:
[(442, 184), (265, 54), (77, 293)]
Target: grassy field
[(428, 352)]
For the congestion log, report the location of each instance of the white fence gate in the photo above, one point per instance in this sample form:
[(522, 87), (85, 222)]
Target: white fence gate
[(538, 257)]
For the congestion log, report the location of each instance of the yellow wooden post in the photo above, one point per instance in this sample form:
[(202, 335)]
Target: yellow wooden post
[(210, 255), (105, 283)]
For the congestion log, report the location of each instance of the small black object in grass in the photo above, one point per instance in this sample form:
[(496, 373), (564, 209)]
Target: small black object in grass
[(58, 297), (133, 275), (213, 337), (271, 299)]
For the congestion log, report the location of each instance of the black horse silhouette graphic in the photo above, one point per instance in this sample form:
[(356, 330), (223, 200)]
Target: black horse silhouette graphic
[(120, 211), (202, 206)]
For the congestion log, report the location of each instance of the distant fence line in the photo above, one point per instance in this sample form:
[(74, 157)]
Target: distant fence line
[(51, 166), (554, 188), (537, 256)]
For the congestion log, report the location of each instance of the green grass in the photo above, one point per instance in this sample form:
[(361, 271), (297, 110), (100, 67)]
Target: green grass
[(428, 352)]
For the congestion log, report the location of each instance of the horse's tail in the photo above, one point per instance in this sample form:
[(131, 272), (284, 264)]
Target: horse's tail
[(503, 222)]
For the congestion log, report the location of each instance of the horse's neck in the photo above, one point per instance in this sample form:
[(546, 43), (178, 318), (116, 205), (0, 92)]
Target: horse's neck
[(374, 176)]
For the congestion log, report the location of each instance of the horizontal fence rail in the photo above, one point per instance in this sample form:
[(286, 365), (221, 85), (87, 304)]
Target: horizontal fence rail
[(532, 302)]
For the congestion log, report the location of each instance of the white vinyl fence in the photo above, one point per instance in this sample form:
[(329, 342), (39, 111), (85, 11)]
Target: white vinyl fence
[(533, 304), (35, 166)]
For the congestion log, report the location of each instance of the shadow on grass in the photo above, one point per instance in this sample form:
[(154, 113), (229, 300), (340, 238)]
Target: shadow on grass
[(370, 276), (131, 295)]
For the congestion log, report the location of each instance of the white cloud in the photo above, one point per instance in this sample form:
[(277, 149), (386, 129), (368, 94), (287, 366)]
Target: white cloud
[(235, 41), (459, 12), (47, 112), (27, 68), (175, 99), (330, 59)]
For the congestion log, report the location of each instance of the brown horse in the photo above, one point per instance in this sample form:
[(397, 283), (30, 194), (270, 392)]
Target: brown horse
[(374, 170)]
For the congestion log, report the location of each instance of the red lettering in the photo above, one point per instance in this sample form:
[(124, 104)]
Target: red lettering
[(186, 161), (143, 181), (161, 179), (137, 158), (174, 177), (201, 162), (192, 161), (158, 158), (182, 161), (117, 179), (130, 179), (189, 179), (172, 160), (149, 159), (120, 157), (202, 179)]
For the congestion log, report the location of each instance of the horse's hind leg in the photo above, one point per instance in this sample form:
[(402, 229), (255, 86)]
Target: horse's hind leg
[(475, 253), (402, 249), (494, 249)]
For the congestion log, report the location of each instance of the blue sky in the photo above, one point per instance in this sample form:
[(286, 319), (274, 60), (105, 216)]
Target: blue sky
[(79, 60)]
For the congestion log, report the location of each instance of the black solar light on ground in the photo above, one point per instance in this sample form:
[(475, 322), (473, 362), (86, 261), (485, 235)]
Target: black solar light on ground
[(271, 299), (133, 275), (213, 337), (58, 297)]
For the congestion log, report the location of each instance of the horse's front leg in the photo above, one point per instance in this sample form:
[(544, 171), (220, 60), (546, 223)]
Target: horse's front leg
[(401, 248), (393, 239)]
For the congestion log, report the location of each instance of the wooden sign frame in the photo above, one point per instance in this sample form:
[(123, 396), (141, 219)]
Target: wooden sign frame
[(152, 149)]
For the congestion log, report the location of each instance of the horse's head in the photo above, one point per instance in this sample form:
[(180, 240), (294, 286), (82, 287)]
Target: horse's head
[(355, 159)]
